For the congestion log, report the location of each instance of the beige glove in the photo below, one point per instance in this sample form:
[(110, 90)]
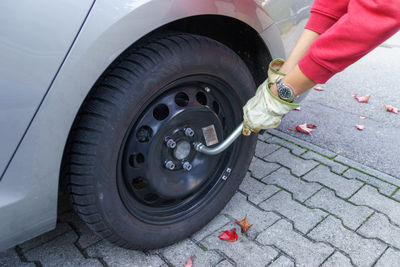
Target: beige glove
[(274, 74), (265, 110)]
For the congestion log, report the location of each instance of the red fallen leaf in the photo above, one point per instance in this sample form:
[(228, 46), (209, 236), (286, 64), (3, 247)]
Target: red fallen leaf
[(390, 108), (363, 117), (319, 88), (360, 127), (298, 109), (243, 223), (304, 128), (362, 99), (189, 263), (229, 235)]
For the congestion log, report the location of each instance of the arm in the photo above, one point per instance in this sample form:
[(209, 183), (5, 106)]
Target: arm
[(324, 14), (346, 41), (365, 25)]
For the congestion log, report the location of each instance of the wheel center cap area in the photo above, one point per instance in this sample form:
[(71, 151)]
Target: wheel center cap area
[(178, 181), (182, 150)]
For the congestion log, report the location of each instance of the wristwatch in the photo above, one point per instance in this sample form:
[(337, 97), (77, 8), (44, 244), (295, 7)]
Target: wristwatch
[(285, 92)]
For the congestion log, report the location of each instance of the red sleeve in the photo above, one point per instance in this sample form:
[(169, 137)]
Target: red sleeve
[(325, 13), (365, 25)]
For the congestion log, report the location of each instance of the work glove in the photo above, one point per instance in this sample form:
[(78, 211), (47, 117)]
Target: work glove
[(265, 110), (274, 74)]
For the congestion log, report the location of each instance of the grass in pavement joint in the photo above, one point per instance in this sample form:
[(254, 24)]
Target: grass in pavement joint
[(366, 220), (395, 191)]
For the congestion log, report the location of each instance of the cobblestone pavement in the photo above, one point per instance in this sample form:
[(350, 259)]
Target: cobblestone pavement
[(308, 207)]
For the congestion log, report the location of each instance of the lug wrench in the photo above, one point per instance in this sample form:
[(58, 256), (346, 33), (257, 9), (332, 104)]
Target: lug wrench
[(221, 147)]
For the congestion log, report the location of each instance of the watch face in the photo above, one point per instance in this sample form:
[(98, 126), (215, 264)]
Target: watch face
[(285, 93)]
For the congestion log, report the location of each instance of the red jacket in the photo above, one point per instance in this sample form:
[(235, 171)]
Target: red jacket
[(349, 30)]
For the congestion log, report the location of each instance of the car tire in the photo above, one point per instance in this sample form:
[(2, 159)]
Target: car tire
[(117, 155)]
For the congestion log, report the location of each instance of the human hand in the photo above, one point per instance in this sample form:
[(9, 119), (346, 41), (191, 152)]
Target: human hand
[(264, 110)]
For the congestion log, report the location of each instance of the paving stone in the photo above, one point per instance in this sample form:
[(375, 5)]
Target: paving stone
[(337, 260), (224, 263), (352, 216), (297, 165), (180, 253), (264, 149), (211, 227), (369, 196), (391, 257), (239, 207), (397, 195), (304, 251), (259, 169), (86, 236), (264, 137), (301, 190), (335, 166), (61, 229), (282, 261), (9, 258), (343, 187), (294, 148), (384, 188), (303, 217), (243, 251), (302, 143), (386, 177), (116, 256), (362, 251), (257, 192), (60, 251), (378, 226)]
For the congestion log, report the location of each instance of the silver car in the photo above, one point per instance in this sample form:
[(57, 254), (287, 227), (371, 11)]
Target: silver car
[(103, 99)]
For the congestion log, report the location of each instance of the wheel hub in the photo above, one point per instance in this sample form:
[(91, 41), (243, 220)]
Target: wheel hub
[(192, 169), (162, 176), (182, 150)]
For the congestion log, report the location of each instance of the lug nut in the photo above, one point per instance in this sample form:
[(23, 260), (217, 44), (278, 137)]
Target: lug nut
[(189, 132), (169, 165), (187, 166), (207, 89), (171, 143)]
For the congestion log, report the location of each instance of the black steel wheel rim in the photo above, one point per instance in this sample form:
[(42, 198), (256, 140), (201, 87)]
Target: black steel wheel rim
[(184, 111)]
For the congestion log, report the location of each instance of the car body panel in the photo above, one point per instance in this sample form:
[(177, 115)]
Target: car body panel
[(29, 186), (29, 59)]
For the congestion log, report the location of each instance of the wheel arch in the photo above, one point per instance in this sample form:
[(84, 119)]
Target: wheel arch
[(242, 38)]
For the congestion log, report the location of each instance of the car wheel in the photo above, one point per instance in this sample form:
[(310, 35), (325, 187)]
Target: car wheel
[(134, 176)]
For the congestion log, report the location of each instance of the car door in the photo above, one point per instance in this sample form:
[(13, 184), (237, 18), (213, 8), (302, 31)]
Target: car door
[(35, 38)]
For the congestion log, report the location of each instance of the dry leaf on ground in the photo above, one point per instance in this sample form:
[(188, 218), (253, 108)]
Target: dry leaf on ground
[(243, 223), (304, 128), (189, 263), (362, 99), (319, 88), (229, 235), (390, 108), (360, 127)]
